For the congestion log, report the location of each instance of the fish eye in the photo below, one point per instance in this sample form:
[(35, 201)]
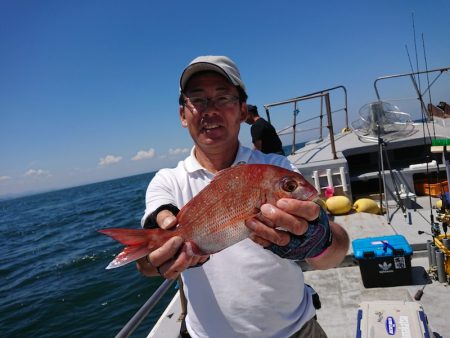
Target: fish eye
[(289, 184)]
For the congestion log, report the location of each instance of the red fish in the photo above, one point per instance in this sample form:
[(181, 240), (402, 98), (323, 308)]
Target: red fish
[(215, 218)]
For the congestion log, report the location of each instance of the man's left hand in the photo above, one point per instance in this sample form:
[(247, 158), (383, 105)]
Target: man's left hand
[(276, 222)]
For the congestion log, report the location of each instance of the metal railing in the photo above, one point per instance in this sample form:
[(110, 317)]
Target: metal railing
[(139, 316), (416, 84), (323, 95)]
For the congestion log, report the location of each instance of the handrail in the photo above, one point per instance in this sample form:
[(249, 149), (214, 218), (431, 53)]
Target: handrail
[(322, 94), (416, 87), (139, 316), (440, 70)]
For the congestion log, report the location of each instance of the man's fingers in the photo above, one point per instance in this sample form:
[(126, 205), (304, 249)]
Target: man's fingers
[(278, 237), (166, 252), (166, 219), (184, 259), (173, 268), (304, 209), (284, 220)]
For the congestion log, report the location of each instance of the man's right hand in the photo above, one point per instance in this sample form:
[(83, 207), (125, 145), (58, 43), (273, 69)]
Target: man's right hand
[(173, 257)]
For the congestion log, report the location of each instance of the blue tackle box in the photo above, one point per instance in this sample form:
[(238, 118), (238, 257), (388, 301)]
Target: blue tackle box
[(383, 261)]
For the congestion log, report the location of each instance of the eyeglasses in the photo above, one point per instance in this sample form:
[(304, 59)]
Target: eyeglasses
[(200, 104)]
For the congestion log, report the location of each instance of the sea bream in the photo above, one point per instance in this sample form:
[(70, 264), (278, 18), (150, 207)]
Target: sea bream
[(215, 218)]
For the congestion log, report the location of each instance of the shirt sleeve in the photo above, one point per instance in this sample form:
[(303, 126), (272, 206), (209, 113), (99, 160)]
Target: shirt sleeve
[(159, 192)]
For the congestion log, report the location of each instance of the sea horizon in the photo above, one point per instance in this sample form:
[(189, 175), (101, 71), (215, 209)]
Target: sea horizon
[(12, 196)]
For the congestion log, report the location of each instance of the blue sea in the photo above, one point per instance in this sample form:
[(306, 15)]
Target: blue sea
[(52, 262)]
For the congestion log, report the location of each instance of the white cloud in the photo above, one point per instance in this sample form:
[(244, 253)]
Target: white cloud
[(4, 178), (178, 151), (142, 154), (109, 159), (37, 173)]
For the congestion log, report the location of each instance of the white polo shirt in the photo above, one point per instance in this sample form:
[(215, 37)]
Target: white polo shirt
[(244, 290)]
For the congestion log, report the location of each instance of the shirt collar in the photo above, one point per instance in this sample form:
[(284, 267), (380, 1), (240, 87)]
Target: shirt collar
[(192, 165)]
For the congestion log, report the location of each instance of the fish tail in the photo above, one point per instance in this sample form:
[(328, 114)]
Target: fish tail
[(127, 236), (139, 242)]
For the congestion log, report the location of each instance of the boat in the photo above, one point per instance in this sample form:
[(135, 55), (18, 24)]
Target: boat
[(386, 156)]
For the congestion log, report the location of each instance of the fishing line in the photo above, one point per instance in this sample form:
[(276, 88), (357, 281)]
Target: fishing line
[(434, 128), (415, 48), (416, 86), (428, 82), (422, 104), (425, 126), (413, 79)]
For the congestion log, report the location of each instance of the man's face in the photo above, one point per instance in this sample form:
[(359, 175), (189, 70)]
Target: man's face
[(217, 124)]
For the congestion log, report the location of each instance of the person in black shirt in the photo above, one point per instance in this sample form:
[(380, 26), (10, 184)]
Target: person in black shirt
[(264, 136)]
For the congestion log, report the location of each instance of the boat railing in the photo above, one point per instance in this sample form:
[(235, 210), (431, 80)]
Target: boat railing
[(414, 76), (142, 313), (324, 97)]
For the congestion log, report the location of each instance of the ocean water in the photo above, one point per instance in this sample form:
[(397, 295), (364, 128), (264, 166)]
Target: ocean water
[(52, 262)]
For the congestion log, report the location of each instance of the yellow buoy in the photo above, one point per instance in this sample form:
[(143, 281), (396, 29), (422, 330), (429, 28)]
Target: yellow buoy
[(338, 205), (366, 205), (438, 204)]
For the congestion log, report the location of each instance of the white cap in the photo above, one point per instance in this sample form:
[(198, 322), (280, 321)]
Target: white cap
[(220, 64)]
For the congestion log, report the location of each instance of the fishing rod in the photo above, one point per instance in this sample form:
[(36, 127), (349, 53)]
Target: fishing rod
[(428, 80), (417, 85), (432, 117), (439, 251), (415, 49)]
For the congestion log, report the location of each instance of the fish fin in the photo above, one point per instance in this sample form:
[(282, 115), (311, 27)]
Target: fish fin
[(128, 255), (139, 242), (127, 236)]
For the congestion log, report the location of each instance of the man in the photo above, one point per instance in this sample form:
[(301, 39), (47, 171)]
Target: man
[(244, 290), (264, 136)]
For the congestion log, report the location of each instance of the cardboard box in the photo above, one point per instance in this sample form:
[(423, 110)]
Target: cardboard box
[(383, 261), (392, 319)]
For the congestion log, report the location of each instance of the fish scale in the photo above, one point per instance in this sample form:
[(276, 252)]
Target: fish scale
[(215, 218), (230, 213)]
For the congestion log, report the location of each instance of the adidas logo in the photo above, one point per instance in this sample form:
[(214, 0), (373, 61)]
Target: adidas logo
[(385, 267)]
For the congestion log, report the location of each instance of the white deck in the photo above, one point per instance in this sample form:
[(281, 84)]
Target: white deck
[(317, 154)]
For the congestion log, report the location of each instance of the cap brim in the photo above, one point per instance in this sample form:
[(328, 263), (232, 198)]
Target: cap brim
[(201, 67)]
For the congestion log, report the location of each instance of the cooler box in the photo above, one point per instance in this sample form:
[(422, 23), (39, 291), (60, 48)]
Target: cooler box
[(383, 261), (390, 319)]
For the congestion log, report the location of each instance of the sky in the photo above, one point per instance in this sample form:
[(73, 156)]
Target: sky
[(89, 88)]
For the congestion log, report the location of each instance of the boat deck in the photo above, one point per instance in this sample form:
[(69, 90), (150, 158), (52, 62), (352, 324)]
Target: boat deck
[(318, 153), (341, 289)]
